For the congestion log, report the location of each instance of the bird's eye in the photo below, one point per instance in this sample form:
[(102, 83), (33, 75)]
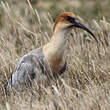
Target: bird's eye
[(70, 19)]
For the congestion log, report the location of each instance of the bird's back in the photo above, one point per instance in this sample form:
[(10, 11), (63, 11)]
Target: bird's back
[(29, 67)]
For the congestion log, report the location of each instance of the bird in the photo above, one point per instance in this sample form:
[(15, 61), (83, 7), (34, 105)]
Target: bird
[(49, 59)]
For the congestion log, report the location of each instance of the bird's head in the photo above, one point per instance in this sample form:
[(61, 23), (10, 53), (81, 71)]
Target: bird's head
[(68, 20)]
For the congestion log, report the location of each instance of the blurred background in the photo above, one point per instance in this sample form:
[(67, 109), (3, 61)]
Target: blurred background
[(87, 9)]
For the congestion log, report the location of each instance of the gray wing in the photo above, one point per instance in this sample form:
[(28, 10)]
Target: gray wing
[(24, 73)]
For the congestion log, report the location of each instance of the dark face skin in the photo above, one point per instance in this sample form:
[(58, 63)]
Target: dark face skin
[(75, 23)]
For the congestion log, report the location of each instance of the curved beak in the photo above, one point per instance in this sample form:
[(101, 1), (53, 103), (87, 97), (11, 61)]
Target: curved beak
[(77, 24)]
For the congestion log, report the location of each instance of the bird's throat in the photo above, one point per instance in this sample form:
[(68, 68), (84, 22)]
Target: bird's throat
[(54, 50), (56, 47)]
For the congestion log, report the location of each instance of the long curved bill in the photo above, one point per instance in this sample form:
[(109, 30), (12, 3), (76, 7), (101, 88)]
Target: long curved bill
[(77, 24)]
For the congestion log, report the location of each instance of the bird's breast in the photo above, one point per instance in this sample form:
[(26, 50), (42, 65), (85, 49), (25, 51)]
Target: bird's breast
[(55, 66)]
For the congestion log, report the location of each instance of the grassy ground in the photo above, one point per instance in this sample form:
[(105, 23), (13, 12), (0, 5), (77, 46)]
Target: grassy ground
[(86, 83)]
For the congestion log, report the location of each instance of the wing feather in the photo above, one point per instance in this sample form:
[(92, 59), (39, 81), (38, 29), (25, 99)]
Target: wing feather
[(24, 73)]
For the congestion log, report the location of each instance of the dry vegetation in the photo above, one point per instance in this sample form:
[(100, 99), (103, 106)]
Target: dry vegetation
[(86, 83)]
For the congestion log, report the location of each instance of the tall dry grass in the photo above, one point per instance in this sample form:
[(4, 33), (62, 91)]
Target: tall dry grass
[(86, 83)]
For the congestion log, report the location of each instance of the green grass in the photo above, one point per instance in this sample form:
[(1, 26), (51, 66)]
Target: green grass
[(86, 83)]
